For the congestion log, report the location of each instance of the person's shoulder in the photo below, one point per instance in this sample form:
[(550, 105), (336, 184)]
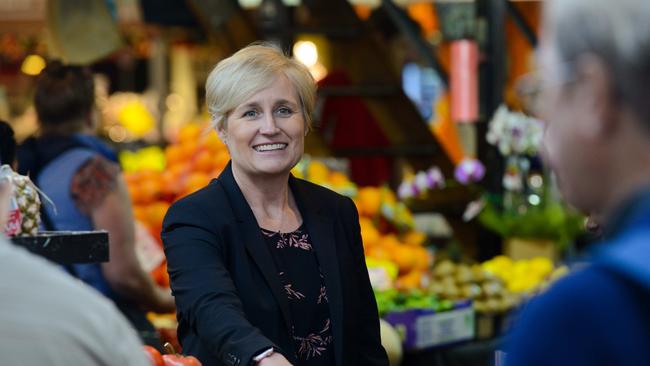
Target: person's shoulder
[(550, 320), (585, 286), (45, 288), (210, 194), (45, 279), (208, 201)]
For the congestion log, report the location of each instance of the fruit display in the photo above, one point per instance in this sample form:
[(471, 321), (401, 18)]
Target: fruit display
[(495, 286), (394, 300), (391, 244), (157, 177), (24, 215)]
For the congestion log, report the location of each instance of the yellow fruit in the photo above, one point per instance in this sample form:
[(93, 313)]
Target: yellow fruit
[(317, 172), (370, 236), (369, 200), (338, 179)]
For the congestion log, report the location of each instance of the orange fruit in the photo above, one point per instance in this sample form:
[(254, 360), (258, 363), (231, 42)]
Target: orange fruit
[(424, 259), (196, 181), (212, 142), (369, 233), (369, 200), (173, 154), (188, 150), (131, 177), (155, 212), (415, 238), (136, 194), (189, 132), (221, 160), (140, 213), (338, 179), (204, 161), (150, 190), (389, 242), (405, 257), (377, 252), (171, 183), (410, 280)]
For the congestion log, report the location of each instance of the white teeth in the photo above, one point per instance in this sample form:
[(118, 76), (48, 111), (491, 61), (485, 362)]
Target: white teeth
[(270, 147)]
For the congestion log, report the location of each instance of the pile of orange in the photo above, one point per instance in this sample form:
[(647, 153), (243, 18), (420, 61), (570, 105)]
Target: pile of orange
[(194, 157), (406, 251), (381, 236)]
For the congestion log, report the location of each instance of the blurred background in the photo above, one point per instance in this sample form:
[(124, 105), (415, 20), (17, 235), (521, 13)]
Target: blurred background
[(425, 117)]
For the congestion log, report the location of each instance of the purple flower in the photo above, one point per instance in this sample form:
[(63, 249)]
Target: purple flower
[(469, 171), (435, 178)]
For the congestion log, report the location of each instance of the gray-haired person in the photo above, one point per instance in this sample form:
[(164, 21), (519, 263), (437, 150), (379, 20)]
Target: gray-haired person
[(595, 66)]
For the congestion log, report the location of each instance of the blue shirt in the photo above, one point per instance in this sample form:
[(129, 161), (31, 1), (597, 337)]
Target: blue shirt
[(599, 315)]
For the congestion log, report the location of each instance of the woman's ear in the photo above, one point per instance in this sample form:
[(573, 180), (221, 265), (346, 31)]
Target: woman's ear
[(222, 133)]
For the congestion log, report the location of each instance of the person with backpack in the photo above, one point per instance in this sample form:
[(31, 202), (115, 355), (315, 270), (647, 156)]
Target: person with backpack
[(80, 174)]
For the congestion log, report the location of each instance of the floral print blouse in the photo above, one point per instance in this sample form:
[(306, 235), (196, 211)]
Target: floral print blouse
[(304, 287)]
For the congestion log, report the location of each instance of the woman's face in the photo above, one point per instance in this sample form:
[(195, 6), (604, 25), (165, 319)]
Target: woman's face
[(265, 134)]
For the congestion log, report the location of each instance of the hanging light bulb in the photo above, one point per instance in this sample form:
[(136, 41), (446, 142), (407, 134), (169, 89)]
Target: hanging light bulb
[(306, 52)]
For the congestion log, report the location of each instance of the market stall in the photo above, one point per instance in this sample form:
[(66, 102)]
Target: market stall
[(419, 121)]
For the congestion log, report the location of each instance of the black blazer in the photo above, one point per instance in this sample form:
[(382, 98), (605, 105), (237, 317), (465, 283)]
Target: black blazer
[(230, 302)]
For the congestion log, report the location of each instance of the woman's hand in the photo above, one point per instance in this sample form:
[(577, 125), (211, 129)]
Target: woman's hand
[(275, 359)]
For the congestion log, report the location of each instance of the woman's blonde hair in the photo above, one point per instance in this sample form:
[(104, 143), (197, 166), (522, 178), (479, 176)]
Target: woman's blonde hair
[(251, 69)]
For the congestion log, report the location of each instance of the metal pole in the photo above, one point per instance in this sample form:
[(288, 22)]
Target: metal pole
[(521, 23), (400, 19)]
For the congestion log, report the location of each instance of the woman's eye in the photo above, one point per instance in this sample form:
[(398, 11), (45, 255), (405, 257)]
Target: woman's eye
[(250, 114), (284, 111)]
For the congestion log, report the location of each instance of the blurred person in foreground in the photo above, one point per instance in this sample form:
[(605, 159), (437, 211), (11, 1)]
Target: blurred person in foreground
[(268, 269), (48, 318), (81, 176), (595, 62)]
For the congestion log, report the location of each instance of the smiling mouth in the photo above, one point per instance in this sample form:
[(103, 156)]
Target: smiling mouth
[(270, 147)]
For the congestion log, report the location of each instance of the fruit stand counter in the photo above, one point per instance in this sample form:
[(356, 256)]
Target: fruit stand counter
[(67, 247)]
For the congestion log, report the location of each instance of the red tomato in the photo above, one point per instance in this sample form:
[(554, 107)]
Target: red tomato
[(154, 356), (180, 360)]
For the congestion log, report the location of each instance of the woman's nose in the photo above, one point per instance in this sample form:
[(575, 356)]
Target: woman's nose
[(269, 125)]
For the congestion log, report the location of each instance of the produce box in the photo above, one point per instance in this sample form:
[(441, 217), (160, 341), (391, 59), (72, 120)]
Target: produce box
[(425, 328)]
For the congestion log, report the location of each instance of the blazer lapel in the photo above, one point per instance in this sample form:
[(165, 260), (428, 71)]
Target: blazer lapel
[(321, 231), (254, 241)]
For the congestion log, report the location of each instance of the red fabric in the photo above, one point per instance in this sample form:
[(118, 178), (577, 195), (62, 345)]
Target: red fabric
[(346, 122)]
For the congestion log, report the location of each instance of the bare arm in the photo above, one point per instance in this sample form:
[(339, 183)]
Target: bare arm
[(100, 190)]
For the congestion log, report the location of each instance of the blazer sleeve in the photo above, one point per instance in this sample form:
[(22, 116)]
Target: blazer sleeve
[(369, 341), (206, 297)]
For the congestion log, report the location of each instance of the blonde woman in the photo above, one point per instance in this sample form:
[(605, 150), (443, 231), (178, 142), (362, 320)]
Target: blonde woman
[(268, 269)]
